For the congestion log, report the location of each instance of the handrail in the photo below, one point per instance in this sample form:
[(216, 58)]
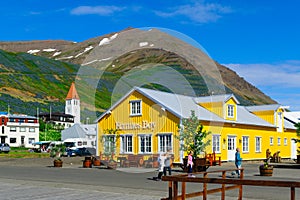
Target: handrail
[(234, 183)]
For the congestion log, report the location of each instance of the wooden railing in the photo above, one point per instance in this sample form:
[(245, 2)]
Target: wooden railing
[(234, 184)]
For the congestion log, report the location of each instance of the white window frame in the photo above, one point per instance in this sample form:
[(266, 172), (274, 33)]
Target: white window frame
[(245, 144), (126, 144), (285, 141), (279, 141), (13, 129), (216, 143), (135, 107), (165, 142), (22, 129), (271, 141), (145, 144), (258, 141), (31, 130), (230, 111)]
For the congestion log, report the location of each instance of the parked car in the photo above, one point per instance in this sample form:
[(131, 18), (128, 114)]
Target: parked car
[(4, 147), (85, 151)]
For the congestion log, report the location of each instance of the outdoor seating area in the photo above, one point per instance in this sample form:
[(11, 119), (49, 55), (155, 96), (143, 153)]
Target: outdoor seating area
[(275, 158)]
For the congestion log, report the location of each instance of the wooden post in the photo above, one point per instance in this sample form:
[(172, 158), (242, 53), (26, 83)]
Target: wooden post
[(183, 190), (293, 193), (205, 187), (170, 189), (223, 186), (175, 190), (241, 186)]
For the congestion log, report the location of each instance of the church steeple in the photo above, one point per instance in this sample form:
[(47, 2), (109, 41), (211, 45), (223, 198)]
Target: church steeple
[(73, 103)]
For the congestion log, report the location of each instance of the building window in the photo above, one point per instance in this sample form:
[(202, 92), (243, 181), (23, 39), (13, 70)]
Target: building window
[(164, 142), (109, 144), (145, 144), (135, 107), (22, 129), (31, 140), (126, 144), (257, 144), (12, 140), (245, 140), (32, 130), (79, 143), (13, 129), (271, 140), (216, 143), (278, 141), (230, 111), (285, 141)]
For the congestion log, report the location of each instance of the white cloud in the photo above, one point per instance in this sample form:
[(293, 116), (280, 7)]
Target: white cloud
[(280, 81), (287, 73), (97, 10), (198, 12)]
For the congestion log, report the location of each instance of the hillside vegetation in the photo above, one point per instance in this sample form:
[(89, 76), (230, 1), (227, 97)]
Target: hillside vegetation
[(40, 80)]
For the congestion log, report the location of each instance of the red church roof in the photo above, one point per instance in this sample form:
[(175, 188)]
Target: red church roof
[(72, 94)]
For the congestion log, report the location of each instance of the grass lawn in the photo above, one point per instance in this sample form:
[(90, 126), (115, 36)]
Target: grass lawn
[(19, 152)]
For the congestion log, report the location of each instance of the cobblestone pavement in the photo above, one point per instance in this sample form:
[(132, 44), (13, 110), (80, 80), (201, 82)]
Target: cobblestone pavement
[(36, 179)]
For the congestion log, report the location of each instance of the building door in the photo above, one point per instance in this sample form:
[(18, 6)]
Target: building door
[(293, 149), (231, 146), (3, 139)]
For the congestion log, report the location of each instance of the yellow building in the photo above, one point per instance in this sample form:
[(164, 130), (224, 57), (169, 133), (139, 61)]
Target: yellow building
[(145, 122)]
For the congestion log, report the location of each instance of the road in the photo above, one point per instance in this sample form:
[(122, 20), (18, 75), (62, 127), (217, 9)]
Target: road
[(39, 180)]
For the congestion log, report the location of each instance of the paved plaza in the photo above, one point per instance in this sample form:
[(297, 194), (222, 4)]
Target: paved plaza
[(37, 179)]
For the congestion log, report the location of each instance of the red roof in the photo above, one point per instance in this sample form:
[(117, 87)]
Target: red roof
[(72, 94)]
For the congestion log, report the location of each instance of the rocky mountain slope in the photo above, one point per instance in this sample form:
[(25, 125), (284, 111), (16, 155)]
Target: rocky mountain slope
[(39, 73)]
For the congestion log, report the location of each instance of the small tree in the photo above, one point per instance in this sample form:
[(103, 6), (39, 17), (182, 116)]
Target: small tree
[(192, 135), (297, 125)]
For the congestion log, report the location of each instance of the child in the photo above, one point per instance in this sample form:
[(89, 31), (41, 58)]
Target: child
[(190, 164)]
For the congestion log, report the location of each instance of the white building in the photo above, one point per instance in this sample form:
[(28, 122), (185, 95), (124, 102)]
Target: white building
[(73, 104), (19, 130), (81, 132)]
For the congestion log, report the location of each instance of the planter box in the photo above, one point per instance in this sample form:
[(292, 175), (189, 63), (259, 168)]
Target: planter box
[(57, 163), (199, 165), (266, 171)]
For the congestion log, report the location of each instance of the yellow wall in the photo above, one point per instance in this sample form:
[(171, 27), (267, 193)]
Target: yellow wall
[(266, 115), (165, 122), (215, 107)]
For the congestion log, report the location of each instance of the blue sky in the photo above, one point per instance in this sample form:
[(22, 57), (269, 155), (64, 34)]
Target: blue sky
[(260, 40)]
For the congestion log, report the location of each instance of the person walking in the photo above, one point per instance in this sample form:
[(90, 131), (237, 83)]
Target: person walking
[(190, 164), (161, 161), (167, 166), (238, 161)]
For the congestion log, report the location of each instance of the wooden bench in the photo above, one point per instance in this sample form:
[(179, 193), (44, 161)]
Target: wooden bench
[(212, 160)]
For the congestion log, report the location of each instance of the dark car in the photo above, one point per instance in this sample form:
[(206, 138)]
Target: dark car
[(4, 147), (85, 151)]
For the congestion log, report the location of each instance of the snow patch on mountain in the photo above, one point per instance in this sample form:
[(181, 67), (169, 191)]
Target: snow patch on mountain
[(105, 41), (33, 51)]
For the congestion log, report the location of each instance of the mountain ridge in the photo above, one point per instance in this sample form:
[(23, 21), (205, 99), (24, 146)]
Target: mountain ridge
[(42, 69)]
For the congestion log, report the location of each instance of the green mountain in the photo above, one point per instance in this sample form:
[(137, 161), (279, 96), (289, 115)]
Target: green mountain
[(38, 74)]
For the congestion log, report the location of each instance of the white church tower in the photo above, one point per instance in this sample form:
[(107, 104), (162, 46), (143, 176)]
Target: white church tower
[(73, 104)]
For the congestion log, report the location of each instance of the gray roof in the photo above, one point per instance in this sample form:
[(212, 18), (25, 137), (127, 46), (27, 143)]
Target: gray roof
[(216, 98), (181, 106), (79, 131), (292, 116), (263, 107)]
